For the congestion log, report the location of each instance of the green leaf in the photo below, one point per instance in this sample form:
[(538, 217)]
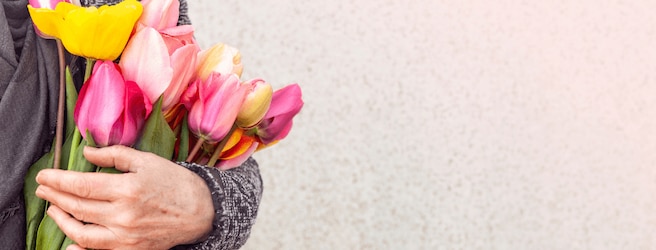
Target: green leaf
[(80, 163), (183, 149), (109, 171), (49, 236), (66, 150), (157, 137), (71, 99), (67, 242), (34, 206)]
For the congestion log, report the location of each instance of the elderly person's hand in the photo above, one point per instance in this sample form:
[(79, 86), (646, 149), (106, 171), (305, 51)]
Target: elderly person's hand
[(155, 204)]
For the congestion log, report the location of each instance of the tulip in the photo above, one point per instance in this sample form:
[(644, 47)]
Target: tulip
[(277, 122), (149, 62), (213, 105), (46, 4), (160, 14), (238, 154), (221, 59), (256, 103), (97, 33), (111, 109)]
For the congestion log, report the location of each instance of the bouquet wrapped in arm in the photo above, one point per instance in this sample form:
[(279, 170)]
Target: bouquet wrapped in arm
[(165, 95)]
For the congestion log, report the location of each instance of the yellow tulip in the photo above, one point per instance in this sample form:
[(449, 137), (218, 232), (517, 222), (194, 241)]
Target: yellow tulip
[(256, 104), (96, 33)]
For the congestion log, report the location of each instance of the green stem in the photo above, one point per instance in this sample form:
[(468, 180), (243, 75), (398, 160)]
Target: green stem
[(219, 148), (59, 133), (77, 137), (87, 71)]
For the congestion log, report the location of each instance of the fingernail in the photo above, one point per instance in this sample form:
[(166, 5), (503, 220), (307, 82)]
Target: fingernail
[(49, 211), (41, 177), (39, 191)]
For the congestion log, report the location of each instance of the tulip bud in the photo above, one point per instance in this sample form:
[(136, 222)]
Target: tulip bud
[(277, 122), (221, 59), (213, 105), (97, 33), (111, 109), (256, 104), (160, 14)]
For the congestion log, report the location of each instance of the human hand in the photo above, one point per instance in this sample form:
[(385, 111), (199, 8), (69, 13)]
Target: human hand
[(155, 204)]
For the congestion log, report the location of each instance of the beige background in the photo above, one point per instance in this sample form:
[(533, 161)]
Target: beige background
[(453, 124)]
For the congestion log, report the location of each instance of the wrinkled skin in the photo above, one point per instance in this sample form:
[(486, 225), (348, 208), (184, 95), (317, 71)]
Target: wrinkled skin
[(155, 204)]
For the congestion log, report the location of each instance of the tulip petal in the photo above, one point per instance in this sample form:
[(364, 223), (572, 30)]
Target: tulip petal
[(119, 19), (46, 20), (146, 61), (136, 112), (222, 107), (237, 161), (160, 14), (285, 100), (235, 137), (221, 59), (182, 61), (238, 149), (100, 103), (285, 104), (256, 103), (98, 33)]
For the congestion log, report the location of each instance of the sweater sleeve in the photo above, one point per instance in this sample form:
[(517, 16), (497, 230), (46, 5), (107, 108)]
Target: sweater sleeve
[(236, 195)]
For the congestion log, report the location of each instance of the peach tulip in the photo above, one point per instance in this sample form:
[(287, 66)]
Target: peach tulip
[(256, 103)]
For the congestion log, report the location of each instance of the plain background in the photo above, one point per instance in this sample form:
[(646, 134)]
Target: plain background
[(453, 124)]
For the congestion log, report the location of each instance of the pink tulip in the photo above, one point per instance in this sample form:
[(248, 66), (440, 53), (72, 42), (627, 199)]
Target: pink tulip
[(160, 14), (111, 109), (213, 105), (158, 68), (277, 122), (47, 4)]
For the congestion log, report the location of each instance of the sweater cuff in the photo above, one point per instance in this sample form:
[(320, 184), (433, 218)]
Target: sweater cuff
[(236, 195)]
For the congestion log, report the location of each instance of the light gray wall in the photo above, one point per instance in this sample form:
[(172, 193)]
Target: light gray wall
[(453, 124)]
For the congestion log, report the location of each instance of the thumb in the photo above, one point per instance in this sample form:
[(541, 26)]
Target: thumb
[(120, 157)]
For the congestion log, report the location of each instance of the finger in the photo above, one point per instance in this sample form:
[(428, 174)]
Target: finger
[(98, 186), (122, 158), (86, 210), (85, 235)]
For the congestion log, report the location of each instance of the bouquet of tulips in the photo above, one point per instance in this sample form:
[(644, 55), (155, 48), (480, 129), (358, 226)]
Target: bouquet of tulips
[(164, 95)]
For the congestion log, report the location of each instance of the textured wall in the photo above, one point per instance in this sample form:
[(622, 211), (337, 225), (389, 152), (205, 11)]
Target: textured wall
[(453, 124)]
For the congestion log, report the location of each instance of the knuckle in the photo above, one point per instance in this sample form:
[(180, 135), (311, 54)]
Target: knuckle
[(133, 189), (131, 241), (77, 210), (126, 220), (81, 239), (82, 186)]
